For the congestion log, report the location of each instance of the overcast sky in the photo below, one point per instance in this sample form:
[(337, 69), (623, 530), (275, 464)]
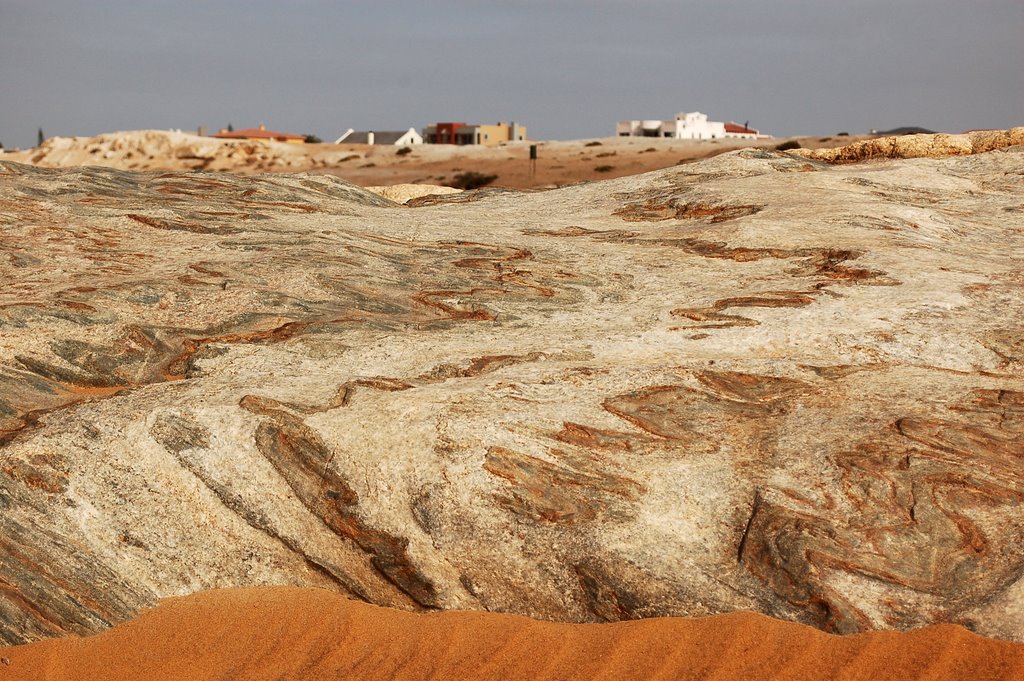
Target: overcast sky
[(565, 68)]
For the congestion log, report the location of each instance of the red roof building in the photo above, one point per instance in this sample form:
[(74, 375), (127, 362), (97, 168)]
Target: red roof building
[(737, 129), (260, 133)]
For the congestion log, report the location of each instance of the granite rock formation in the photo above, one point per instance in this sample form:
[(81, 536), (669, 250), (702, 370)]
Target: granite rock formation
[(758, 382), (919, 146)]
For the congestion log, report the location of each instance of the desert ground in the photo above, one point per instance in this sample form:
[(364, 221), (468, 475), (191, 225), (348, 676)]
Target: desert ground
[(559, 163), (276, 425), (291, 633)]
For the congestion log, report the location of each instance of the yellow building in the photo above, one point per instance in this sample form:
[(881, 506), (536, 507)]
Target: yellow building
[(486, 135)]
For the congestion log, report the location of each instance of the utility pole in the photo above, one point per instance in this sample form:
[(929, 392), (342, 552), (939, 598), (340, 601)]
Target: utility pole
[(41, 138), (533, 159)]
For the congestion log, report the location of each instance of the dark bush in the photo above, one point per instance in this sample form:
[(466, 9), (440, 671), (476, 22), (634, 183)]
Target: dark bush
[(605, 154), (603, 169), (786, 146), (313, 139), (842, 134), (404, 151), (595, 143), (471, 180)]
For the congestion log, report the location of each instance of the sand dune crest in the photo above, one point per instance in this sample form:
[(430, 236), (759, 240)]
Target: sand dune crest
[(292, 633)]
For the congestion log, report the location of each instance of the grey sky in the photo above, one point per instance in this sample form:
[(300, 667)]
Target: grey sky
[(565, 68)]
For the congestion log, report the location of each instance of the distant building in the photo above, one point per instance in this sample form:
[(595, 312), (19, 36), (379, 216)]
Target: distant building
[(466, 134), (260, 134), (745, 132), (396, 137), (685, 126)]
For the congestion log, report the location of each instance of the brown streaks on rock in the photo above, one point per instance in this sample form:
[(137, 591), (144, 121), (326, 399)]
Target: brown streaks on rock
[(595, 438), (753, 388), (451, 305), (304, 461), (712, 317), (914, 517), (548, 492), (50, 586), (605, 598), (680, 413), (1008, 344), (657, 208)]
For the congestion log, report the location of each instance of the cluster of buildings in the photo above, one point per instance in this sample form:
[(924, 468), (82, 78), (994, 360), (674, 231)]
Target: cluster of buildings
[(688, 126), (685, 126), (435, 133)]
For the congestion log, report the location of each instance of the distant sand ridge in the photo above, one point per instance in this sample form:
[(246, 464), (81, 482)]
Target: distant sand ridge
[(757, 382), (560, 163)]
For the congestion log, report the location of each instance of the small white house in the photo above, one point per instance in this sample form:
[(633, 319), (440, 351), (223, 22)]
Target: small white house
[(685, 126), (395, 137)]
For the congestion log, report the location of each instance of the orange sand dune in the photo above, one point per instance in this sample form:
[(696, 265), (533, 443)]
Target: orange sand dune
[(292, 633)]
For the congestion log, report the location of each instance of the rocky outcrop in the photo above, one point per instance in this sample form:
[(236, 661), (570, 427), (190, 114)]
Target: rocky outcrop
[(164, 150), (402, 193), (918, 146), (757, 382)]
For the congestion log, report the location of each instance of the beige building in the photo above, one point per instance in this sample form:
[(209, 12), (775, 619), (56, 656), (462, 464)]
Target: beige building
[(486, 135)]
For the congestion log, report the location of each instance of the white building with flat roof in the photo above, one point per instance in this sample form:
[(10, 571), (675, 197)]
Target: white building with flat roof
[(688, 126), (685, 126)]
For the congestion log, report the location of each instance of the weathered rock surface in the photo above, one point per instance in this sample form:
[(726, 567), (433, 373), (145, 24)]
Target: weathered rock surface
[(172, 151), (756, 382), (936, 145), (401, 193)]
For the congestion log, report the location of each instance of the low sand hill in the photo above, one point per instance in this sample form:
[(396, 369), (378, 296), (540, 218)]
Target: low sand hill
[(288, 633), (560, 163), (758, 382)]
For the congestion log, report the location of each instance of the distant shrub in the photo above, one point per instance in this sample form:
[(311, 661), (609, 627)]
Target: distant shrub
[(368, 165), (603, 169), (471, 180), (824, 139), (786, 146), (605, 154), (648, 149), (313, 139), (842, 134), (595, 143), (404, 151), (349, 158)]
